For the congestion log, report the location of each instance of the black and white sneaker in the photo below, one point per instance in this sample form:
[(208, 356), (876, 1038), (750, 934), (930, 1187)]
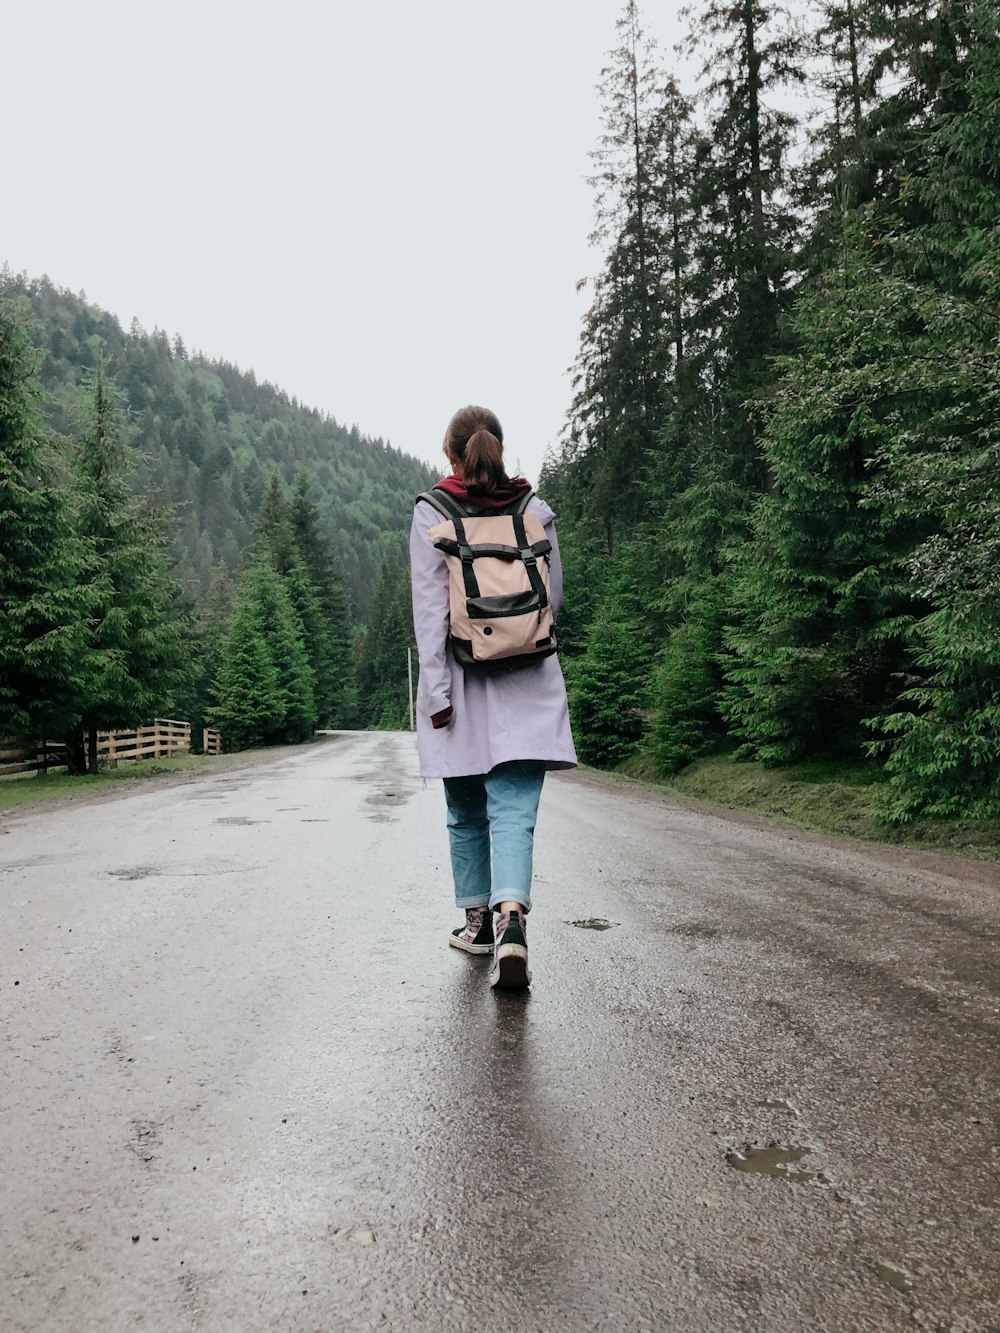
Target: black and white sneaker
[(510, 953), (476, 936)]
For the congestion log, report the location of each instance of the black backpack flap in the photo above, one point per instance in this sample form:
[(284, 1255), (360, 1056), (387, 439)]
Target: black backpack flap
[(506, 604)]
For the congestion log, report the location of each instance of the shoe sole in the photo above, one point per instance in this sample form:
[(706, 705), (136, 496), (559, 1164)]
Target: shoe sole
[(456, 943), (510, 968)]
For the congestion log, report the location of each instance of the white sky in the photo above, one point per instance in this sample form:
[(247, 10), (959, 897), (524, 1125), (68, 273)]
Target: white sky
[(380, 206)]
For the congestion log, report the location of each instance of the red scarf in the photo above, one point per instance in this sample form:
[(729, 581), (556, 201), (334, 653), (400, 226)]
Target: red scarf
[(454, 485)]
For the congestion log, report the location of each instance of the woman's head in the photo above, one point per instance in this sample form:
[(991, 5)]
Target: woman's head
[(474, 445)]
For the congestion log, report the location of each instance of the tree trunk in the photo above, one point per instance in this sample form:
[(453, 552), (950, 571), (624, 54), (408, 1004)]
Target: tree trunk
[(76, 753)]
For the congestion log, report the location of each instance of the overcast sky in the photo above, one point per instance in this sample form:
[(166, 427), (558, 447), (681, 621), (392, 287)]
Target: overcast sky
[(379, 206)]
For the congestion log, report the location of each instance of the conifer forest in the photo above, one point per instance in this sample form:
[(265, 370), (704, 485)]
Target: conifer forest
[(178, 539), (779, 484)]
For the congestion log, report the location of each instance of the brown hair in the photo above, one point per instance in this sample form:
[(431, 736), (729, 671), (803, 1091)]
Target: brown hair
[(474, 440)]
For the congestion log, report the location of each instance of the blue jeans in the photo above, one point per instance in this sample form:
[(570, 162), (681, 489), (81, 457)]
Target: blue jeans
[(500, 806)]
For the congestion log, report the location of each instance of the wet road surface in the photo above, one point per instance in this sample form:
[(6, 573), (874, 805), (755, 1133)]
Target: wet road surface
[(244, 1084)]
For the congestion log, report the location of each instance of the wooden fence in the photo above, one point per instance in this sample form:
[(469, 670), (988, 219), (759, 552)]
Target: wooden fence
[(21, 758), (211, 741), (158, 741), (161, 739)]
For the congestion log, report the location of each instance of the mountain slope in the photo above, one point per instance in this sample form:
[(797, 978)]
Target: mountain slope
[(210, 435)]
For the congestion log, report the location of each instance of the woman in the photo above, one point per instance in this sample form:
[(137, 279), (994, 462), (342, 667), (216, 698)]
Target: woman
[(490, 735)]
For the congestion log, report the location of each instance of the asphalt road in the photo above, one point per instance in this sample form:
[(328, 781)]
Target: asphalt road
[(244, 1084)]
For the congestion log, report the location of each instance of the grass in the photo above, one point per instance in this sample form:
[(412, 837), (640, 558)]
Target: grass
[(824, 795), (27, 788)]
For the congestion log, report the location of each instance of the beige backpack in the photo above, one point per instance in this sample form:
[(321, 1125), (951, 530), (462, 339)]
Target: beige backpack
[(498, 565)]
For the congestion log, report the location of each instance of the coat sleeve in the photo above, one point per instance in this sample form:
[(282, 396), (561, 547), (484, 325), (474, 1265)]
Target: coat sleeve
[(555, 569), (431, 618)]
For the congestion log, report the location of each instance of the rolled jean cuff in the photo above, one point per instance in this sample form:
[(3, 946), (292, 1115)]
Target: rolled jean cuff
[(511, 896), (478, 900)]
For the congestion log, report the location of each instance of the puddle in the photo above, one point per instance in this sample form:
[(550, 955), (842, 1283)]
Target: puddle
[(386, 798), (774, 1161), (594, 923), (896, 1277)]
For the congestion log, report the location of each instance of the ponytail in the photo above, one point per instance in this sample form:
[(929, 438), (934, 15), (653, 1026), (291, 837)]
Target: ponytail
[(474, 439), (482, 464)]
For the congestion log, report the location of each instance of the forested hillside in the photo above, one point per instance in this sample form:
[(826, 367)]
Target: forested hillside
[(173, 541), (779, 487), (208, 436)]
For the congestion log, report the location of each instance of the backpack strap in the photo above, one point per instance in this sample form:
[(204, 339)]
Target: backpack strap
[(450, 508), (530, 559), (442, 502), (467, 559)]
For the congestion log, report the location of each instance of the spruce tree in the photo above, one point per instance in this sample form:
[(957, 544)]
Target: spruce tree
[(274, 526), (283, 633), (826, 603), (336, 683), (249, 708), (745, 253), (382, 667), (621, 370), (136, 655), (42, 606), (942, 742), (609, 683), (211, 623)]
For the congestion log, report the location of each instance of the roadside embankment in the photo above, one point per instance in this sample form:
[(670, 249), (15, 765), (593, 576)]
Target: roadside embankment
[(828, 797), (29, 789)]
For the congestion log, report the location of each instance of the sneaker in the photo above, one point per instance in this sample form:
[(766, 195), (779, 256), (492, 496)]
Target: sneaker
[(510, 954), (476, 936)]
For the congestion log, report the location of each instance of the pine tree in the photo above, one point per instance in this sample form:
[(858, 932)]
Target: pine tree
[(42, 606), (382, 667), (621, 370), (212, 620), (249, 708), (686, 720), (336, 683), (919, 72), (749, 231), (942, 742), (274, 526), (826, 602), (135, 657), (608, 689), (283, 633), (608, 683)]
